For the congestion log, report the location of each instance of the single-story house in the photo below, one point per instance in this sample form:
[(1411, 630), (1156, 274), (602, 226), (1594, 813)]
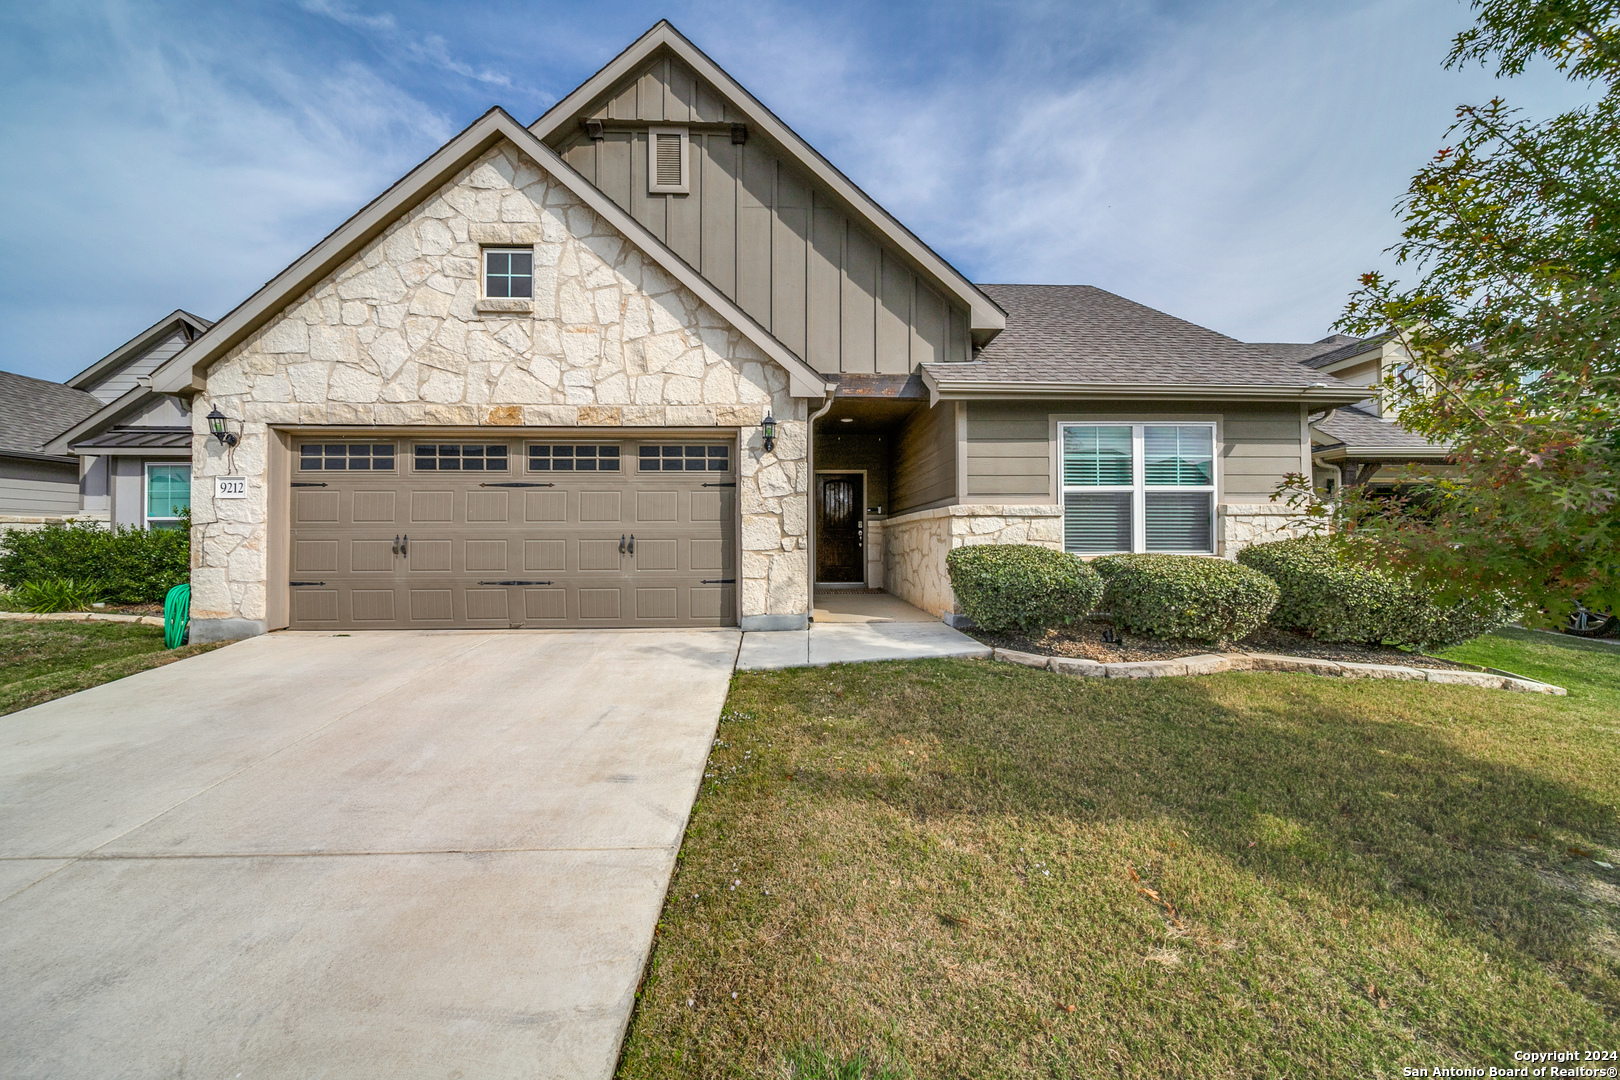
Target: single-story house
[(37, 485), (134, 449), (654, 361)]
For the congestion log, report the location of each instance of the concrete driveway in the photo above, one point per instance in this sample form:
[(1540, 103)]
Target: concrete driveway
[(378, 855)]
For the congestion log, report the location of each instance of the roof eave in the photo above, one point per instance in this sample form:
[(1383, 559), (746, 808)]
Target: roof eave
[(943, 389), (135, 345), (1343, 451), (985, 317), (91, 425), (186, 371)]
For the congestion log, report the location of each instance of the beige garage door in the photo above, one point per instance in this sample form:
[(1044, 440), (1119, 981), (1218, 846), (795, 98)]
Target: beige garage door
[(397, 533)]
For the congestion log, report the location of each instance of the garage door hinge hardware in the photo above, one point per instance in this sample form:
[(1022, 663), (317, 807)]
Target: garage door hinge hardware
[(306, 583), (718, 581), (515, 583), (308, 483), (515, 483), (723, 483)]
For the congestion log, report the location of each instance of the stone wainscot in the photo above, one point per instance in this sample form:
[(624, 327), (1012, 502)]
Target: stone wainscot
[(399, 337)]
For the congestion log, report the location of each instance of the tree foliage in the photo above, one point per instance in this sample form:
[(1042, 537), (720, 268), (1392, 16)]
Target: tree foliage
[(1512, 322)]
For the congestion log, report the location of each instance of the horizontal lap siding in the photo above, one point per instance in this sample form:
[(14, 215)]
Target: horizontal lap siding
[(782, 247), (38, 487), (1009, 452), (925, 460)]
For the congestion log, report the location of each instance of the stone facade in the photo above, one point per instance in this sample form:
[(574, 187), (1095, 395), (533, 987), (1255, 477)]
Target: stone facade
[(1241, 525), (399, 337), (915, 545)]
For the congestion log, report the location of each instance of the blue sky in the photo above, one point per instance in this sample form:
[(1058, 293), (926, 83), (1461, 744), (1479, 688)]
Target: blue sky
[(1233, 163)]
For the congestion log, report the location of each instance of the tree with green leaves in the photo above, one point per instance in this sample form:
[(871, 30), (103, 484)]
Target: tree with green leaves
[(1511, 319)]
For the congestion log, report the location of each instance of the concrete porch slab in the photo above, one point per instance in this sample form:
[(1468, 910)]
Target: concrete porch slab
[(860, 627)]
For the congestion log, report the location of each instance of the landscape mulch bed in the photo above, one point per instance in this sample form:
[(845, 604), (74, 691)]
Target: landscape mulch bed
[(1085, 641)]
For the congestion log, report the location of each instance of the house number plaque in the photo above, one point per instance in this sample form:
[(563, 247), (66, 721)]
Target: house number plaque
[(230, 487)]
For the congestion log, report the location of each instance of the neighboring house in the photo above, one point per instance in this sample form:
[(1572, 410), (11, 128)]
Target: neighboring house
[(37, 484), (653, 361), (1353, 444), (134, 449)]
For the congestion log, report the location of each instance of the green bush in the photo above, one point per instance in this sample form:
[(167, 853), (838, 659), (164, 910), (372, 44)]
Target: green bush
[(1336, 593), (131, 566), (56, 594), (1020, 586), (1186, 596)]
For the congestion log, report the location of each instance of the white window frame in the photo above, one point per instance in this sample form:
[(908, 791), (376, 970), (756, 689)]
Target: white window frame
[(1138, 487), (146, 490), (483, 268), (653, 186)]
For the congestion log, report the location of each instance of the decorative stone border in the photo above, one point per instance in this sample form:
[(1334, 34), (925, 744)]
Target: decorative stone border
[(83, 616), (1211, 663)]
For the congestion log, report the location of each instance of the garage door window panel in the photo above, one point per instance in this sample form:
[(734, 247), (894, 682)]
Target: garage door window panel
[(573, 457), (460, 457), (664, 458), (346, 457)]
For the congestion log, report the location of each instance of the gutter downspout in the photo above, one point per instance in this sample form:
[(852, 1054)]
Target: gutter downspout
[(809, 511)]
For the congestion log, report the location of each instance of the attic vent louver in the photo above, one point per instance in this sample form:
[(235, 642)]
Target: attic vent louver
[(666, 166)]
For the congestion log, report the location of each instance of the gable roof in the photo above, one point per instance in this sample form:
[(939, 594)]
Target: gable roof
[(1355, 432), (186, 370), (1302, 352), (1355, 347), (32, 411), (1078, 340), (985, 317), (135, 346)]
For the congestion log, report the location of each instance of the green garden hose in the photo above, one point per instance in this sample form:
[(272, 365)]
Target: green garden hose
[(176, 616)]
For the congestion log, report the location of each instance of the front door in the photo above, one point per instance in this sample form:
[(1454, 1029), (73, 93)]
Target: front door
[(840, 532)]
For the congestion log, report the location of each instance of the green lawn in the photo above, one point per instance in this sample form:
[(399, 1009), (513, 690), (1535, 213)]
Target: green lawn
[(960, 868), (44, 660)]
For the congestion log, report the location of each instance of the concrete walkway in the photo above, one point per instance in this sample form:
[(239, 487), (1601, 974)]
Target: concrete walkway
[(856, 627), (386, 854)]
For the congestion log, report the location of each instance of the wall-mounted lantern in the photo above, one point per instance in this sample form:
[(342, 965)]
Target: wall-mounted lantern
[(216, 425), (767, 431)]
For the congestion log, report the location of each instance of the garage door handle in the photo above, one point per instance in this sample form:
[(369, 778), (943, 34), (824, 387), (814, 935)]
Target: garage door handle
[(632, 543), (514, 583), (396, 543), (515, 483), (621, 543), (405, 545), (306, 583), (718, 581)]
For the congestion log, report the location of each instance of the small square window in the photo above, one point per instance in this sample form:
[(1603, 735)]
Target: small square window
[(554, 457), (168, 495), (460, 457), (509, 273), (685, 459), (346, 457)]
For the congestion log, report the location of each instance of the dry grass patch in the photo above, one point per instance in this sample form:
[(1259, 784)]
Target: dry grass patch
[(959, 868), (40, 661)]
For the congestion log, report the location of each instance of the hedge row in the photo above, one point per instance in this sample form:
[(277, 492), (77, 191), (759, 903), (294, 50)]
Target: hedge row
[(1336, 593), (125, 565), (1314, 586)]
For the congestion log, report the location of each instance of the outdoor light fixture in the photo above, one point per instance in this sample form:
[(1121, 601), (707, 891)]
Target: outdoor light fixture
[(767, 431), (216, 425)]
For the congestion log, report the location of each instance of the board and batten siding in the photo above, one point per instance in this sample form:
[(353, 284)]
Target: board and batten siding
[(764, 233), (925, 460), (1010, 456)]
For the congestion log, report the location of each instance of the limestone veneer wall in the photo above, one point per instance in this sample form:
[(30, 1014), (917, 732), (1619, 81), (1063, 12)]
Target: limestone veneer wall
[(1241, 525), (915, 545), (398, 337)]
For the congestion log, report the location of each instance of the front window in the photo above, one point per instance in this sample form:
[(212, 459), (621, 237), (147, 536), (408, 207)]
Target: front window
[(1138, 487), (168, 495), (509, 273)]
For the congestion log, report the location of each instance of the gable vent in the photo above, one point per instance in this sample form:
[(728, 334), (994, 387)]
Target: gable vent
[(666, 167)]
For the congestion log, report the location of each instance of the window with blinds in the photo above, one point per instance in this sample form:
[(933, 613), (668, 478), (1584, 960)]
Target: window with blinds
[(667, 161), (1138, 487)]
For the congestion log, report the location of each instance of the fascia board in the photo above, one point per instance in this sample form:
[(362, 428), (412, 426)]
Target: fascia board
[(985, 316), (102, 417), (996, 390), (29, 455), (186, 371), (134, 347)]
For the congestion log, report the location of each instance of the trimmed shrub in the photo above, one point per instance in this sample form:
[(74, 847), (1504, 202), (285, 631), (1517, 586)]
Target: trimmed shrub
[(1334, 593), (56, 594), (1186, 596), (130, 566), (1031, 589)]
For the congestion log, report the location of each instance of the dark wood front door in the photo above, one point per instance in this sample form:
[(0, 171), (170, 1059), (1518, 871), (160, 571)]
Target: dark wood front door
[(840, 533)]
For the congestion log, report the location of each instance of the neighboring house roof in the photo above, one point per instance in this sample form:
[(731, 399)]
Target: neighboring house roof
[(131, 350), (1301, 352), (33, 411), (1083, 341), (985, 318), (1357, 433), (187, 370), (1353, 347)]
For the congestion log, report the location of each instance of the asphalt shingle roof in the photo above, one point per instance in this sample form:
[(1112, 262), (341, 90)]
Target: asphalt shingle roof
[(35, 411), (1344, 352), (1082, 334), (1355, 426)]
